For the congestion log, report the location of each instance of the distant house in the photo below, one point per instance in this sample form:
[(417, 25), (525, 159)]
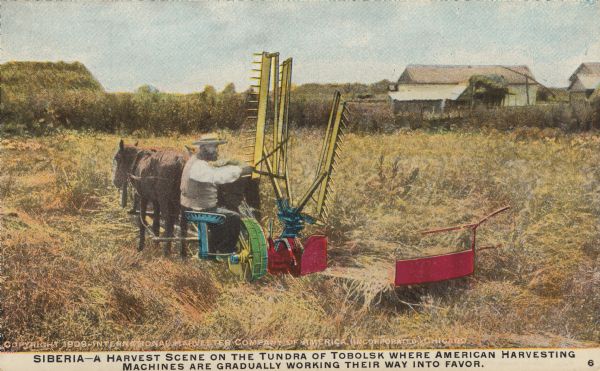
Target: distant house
[(434, 88), (584, 80)]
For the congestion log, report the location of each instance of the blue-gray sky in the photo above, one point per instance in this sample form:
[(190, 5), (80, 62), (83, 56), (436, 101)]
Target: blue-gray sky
[(182, 46)]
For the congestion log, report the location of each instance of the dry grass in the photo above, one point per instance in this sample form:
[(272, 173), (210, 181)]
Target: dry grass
[(70, 270)]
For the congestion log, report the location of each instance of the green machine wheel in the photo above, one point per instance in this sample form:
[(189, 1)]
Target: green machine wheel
[(251, 250)]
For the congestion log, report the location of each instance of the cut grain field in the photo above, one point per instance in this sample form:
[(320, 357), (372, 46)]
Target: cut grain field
[(70, 270)]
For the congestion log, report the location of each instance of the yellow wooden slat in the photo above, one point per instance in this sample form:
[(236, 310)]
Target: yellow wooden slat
[(286, 86), (284, 102), (261, 117), (275, 86), (331, 153)]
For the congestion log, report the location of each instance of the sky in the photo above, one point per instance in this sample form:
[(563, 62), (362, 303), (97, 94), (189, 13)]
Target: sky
[(183, 46)]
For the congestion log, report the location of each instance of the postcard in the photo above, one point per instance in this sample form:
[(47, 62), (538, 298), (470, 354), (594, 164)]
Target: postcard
[(322, 185)]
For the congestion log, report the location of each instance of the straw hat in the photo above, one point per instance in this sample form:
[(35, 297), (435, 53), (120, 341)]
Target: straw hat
[(209, 139)]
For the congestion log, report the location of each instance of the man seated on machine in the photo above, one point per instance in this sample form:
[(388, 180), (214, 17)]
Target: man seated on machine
[(201, 176)]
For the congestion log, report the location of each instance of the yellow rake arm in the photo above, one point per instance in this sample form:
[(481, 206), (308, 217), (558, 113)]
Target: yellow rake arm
[(276, 92), (261, 92), (330, 151), (329, 154), (272, 94), (281, 160)]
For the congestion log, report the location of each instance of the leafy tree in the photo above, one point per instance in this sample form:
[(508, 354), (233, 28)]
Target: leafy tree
[(147, 89), (229, 89)]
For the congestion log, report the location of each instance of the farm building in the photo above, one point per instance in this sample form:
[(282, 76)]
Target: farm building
[(584, 80), (435, 88)]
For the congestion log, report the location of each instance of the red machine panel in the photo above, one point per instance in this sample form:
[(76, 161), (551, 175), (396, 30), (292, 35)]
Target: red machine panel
[(314, 257), (434, 268), (285, 256)]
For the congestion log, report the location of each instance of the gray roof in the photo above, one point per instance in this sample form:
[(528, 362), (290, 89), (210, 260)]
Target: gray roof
[(586, 68), (456, 74)]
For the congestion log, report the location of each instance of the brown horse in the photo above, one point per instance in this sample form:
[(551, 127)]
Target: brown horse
[(156, 176), (125, 185)]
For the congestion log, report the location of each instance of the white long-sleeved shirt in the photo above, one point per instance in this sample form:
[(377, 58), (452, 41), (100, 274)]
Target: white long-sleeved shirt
[(199, 182), (204, 172)]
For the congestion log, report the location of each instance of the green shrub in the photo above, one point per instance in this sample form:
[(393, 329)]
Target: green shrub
[(39, 98)]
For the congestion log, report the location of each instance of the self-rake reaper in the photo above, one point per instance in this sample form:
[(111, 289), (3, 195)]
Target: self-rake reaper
[(257, 252), (283, 252)]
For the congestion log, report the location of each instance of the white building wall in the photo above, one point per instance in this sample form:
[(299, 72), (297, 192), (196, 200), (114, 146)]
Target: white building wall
[(518, 95)]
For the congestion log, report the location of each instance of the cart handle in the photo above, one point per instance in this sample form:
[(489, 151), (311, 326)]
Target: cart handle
[(472, 226)]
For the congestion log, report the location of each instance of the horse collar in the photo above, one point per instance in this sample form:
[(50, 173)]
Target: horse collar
[(134, 164)]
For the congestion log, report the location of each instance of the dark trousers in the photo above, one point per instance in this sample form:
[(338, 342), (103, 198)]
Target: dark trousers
[(222, 238)]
